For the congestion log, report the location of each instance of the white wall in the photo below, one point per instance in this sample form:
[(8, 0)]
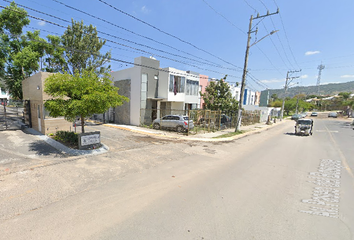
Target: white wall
[(134, 74), (164, 78), (235, 92), (6, 95)]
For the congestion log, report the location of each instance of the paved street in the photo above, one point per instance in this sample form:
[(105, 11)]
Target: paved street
[(271, 185)]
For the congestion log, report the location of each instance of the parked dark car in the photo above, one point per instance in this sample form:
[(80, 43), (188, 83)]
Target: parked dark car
[(179, 123), (332, 114)]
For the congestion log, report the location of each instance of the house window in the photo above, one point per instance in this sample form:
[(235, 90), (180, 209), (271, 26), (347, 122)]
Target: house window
[(192, 87), (177, 84)]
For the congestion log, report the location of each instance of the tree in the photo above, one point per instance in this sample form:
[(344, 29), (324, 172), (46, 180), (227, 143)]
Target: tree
[(82, 49), (218, 96), (81, 94), (19, 53), (344, 95)]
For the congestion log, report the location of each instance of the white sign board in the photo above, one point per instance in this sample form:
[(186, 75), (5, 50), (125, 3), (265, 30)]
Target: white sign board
[(90, 139)]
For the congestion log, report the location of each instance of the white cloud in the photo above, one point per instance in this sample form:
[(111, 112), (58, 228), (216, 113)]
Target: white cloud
[(304, 76), (41, 23), (272, 81), (347, 76), (311, 53), (145, 10)]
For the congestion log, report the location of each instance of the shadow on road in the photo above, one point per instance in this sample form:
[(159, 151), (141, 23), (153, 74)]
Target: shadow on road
[(290, 134), (43, 149)]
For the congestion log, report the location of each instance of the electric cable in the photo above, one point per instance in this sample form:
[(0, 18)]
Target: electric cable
[(162, 31), (176, 55)]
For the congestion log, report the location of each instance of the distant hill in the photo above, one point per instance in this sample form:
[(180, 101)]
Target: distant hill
[(327, 89)]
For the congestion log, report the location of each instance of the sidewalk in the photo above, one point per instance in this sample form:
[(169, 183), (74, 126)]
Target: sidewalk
[(37, 140), (204, 137)]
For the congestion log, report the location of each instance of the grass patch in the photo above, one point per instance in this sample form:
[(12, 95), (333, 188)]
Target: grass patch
[(230, 134)]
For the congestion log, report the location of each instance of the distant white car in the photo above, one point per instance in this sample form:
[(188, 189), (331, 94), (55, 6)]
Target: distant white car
[(332, 114)]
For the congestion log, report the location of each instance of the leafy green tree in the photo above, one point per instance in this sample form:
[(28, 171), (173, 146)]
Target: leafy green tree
[(82, 49), (344, 95), (81, 94), (12, 21), (20, 53), (218, 96), (277, 103)]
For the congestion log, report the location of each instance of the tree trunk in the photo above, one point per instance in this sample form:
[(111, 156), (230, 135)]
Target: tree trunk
[(82, 124)]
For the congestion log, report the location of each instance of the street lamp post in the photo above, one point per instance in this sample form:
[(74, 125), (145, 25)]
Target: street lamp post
[(244, 74)]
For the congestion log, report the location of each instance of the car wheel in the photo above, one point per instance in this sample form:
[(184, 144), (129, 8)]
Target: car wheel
[(179, 129), (156, 126)]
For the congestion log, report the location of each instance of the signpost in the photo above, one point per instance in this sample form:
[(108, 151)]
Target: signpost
[(89, 140)]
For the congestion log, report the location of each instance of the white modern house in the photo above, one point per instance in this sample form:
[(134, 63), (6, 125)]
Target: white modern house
[(249, 97), (154, 92)]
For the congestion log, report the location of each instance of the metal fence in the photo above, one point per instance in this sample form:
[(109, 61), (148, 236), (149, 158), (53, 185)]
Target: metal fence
[(11, 115), (204, 121)]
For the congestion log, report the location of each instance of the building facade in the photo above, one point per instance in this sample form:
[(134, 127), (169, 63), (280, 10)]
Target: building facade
[(37, 116), (154, 92)]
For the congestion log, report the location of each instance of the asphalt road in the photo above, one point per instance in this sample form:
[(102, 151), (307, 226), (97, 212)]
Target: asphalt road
[(272, 185)]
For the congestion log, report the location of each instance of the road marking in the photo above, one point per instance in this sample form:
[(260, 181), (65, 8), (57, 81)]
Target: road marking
[(326, 194), (327, 131), (344, 160)]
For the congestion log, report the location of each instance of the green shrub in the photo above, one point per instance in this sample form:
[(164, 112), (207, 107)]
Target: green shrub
[(67, 137)]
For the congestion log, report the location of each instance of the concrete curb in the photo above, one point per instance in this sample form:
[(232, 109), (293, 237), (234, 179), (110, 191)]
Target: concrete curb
[(189, 138), (64, 149)]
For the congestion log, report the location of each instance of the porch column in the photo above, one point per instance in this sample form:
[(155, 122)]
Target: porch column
[(158, 109)]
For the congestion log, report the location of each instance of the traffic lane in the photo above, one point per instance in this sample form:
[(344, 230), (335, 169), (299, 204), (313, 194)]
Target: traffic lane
[(341, 137), (252, 187), (257, 195)]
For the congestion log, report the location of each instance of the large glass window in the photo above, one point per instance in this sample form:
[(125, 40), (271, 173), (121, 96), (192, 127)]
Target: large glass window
[(192, 87), (177, 84)]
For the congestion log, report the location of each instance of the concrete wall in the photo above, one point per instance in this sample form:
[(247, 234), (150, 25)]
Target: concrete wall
[(257, 98), (164, 79), (264, 98), (263, 110), (32, 89), (122, 113), (134, 74), (203, 82), (151, 71)]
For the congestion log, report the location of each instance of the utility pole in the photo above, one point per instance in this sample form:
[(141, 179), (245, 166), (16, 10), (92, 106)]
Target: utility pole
[(244, 74), (320, 68), (288, 80)]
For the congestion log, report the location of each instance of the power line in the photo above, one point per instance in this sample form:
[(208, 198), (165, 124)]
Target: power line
[(286, 35), (102, 39), (276, 47), (162, 31), (223, 16), (193, 65), (132, 32)]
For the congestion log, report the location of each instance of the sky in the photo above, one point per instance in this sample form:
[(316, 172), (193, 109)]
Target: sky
[(210, 36)]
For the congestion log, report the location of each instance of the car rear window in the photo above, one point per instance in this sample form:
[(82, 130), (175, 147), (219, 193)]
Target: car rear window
[(185, 118)]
